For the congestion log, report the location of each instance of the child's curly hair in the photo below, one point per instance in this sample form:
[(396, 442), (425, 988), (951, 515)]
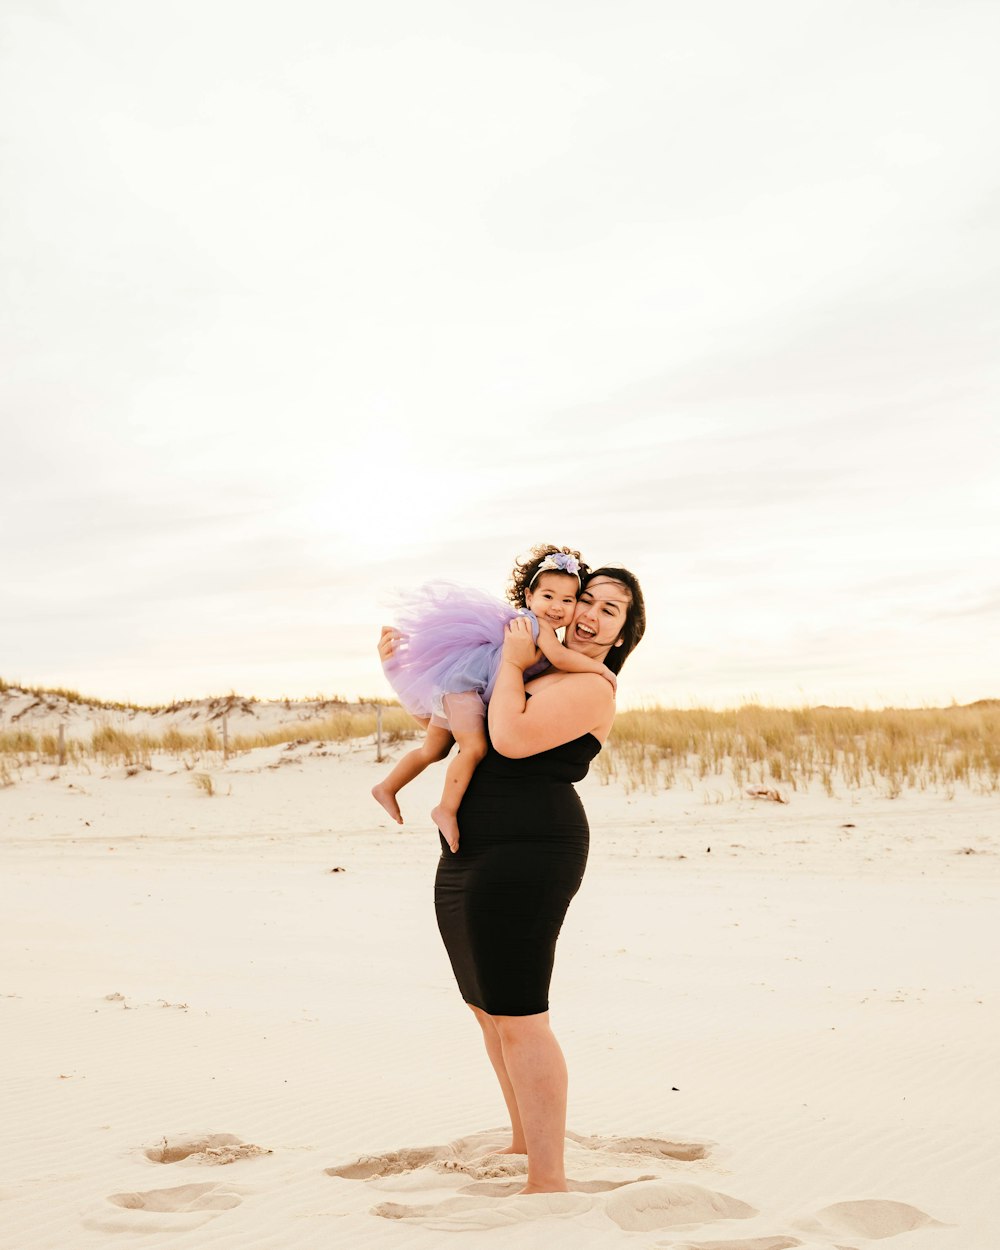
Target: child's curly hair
[(525, 570)]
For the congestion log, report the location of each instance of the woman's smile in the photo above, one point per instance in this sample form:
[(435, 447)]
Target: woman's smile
[(599, 616)]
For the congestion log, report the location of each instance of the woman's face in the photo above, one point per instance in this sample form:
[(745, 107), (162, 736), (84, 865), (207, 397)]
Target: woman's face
[(600, 614)]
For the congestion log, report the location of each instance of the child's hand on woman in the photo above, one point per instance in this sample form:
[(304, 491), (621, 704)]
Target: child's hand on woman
[(518, 644)]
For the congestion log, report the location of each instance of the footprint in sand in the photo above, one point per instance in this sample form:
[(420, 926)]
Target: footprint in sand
[(652, 1147), (637, 1202), (180, 1198), (213, 1149), (392, 1163), (746, 1243), (637, 1206), (505, 1189), (874, 1218), (467, 1214), (466, 1154), (662, 1204), (472, 1155), (181, 1207)]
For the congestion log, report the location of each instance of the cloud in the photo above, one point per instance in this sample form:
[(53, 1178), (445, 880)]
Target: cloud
[(329, 311), (972, 607)]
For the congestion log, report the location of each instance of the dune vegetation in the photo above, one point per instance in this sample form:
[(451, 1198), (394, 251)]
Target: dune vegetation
[(837, 748), (110, 745)]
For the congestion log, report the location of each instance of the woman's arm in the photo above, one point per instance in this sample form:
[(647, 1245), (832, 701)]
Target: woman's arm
[(567, 661), (569, 708)]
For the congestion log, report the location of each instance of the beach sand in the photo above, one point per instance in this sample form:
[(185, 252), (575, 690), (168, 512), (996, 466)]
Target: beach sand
[(229, 1021)]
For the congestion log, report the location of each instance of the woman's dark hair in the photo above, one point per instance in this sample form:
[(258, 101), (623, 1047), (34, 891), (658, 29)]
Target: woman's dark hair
[(635, 617), (525, 571)]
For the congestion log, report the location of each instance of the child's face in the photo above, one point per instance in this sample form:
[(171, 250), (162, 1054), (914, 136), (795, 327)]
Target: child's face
[(553, 598)]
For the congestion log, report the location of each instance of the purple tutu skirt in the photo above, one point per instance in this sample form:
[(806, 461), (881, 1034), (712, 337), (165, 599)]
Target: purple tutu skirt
[(452, 640)]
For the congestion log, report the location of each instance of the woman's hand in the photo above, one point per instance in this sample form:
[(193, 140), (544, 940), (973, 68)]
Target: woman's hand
[(388, 640), (518, 644)]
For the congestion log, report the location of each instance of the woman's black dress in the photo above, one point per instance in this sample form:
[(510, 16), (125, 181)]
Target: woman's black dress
[(500, 900)]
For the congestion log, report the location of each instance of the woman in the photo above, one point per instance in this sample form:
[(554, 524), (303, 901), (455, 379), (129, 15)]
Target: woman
[(501, 898)]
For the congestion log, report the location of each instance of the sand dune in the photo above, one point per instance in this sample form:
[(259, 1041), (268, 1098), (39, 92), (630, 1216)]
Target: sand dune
[(44, 712)]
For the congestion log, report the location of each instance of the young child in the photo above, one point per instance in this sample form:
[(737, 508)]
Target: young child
[(447, 659)]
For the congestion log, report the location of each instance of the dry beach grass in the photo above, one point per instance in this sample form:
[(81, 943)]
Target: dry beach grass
[(837, 748)]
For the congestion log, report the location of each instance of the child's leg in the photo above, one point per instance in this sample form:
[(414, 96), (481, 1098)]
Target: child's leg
[(467, 717), (436, 745)]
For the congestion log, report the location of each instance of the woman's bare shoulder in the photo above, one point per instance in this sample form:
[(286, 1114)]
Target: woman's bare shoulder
[(579, 702), (577, 683), (600, 695)]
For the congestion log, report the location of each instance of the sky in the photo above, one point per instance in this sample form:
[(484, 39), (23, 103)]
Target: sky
[(304, 303)]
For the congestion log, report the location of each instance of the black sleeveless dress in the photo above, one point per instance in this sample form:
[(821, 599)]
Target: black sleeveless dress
[(501, 899)]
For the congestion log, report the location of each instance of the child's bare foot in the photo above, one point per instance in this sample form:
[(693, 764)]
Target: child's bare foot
[(447, 822), (388, 801)]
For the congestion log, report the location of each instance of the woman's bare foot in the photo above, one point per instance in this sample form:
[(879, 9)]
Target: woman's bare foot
[(447, 822), (388, 800), (544, 1188)]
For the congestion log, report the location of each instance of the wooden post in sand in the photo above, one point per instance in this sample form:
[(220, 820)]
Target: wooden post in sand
[(62, 744), (225, 737), (378, 733)]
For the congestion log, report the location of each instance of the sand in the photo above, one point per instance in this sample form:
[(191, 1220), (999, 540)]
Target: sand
[(229, 1021)]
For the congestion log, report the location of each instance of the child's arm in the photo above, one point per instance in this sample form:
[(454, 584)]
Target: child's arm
[(567, 661)]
